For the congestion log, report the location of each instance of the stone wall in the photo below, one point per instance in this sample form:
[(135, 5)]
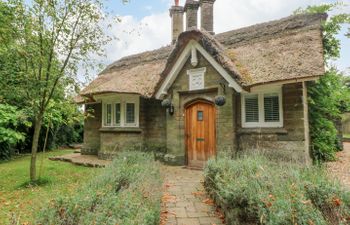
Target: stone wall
[(287, 143), (92, 124), (155, 125), (114, 140), (180, 94), (150, 135)]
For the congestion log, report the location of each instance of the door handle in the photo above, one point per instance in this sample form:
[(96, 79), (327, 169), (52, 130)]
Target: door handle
[(199, 139)]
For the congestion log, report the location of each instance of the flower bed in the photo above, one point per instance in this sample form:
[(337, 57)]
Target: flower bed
[(126, 192), (254, 190)]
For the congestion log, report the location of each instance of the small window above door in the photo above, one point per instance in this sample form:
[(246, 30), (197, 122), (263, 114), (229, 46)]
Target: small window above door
[(199, 115)]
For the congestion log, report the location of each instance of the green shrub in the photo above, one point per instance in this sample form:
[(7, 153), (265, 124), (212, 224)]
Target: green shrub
[(253, 190), (10, 119), (328, 99), (127, 192)]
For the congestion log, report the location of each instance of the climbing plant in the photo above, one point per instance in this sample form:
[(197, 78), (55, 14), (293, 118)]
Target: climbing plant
[(329, 97)]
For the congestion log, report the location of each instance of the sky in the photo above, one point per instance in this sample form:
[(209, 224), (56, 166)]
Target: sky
[(145, 25)]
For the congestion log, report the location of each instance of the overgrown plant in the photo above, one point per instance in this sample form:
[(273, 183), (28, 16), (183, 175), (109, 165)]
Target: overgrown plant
[(328, 97), (127, 192), (255, 190)]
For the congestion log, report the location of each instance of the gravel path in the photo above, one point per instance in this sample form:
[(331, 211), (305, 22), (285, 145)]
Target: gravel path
[(341, 167)]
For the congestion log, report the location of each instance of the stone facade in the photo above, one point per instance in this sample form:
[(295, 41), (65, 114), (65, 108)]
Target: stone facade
[(289, 143), (106, 142), (154, 125), (92, 125), (164, 133), (214, 84)]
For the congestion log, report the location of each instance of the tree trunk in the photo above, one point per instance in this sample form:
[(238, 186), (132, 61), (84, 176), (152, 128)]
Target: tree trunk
[(37, 128)]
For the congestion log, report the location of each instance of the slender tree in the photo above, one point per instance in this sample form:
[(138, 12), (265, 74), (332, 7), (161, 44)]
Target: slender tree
[(54, 38)]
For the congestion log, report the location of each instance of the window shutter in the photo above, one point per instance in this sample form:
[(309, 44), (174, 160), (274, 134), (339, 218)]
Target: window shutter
[(271, 108), (251, 108)]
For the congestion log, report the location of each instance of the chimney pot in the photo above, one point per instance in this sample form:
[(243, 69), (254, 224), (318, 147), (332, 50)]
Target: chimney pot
[(207, 15), (191, 9)]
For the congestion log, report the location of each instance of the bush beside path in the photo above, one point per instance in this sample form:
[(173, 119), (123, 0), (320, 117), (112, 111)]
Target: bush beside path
[(127, 192), (254, 190)]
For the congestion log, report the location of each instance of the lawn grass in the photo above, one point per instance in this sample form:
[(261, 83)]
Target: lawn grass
[(57, 178), (346, 136)]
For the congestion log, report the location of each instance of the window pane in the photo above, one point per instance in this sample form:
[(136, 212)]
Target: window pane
[(200, 115), (271, 108), (130, 113), (251, 108), (117, 113), (108, 114)]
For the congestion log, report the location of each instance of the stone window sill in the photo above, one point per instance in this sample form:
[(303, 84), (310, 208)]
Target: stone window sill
[(262, 131), (121, 129)]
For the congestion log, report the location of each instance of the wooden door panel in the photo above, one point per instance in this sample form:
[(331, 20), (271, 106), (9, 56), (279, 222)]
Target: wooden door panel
[(200, 133)]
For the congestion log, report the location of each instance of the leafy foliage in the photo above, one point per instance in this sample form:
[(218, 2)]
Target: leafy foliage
[(254, 190), (10, 119), (127, 192), (331, 27), (329, 97), (43, 44)]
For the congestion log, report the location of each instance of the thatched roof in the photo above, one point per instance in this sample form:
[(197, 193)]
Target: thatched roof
[(137, 74), (212, 46), (286, 49)]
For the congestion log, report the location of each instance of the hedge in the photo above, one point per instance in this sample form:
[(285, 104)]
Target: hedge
[(254, 190), (127, 192)]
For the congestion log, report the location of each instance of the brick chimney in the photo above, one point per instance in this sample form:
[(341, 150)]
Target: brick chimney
[(207, 15), (191, 9), (177, 21)]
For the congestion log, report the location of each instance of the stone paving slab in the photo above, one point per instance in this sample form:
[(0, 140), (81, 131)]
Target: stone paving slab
[(83, 160), (184, 199)]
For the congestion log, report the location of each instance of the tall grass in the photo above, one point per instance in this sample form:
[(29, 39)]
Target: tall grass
[(254, 190), (127, 192)]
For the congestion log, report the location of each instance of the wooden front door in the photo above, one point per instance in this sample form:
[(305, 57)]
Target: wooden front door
[(200, 133)]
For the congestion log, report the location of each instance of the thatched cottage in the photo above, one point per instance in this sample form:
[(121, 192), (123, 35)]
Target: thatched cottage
[(210, 94)]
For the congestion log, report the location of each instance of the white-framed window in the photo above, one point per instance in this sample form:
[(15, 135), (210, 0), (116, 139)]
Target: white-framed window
[(262, 108), (196, 78), (117, 114), (108, 115), (120, 111)]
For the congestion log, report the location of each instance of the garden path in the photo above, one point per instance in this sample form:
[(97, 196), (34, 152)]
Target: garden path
[(341, 167), (184, 200)]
